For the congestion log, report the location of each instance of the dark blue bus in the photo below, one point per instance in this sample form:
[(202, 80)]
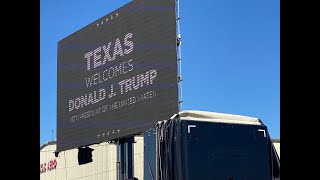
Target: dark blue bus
[(198, 145)]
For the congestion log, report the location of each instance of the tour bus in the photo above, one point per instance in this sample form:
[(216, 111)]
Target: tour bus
[(195, 145)]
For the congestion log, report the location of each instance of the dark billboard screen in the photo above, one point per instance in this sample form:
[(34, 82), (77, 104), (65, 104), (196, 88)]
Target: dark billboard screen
[(118, 75)]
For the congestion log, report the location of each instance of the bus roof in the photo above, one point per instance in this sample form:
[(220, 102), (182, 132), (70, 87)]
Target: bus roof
[(207, 116)]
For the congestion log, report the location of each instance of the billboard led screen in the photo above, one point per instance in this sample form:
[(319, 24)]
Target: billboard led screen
[(118, 75)]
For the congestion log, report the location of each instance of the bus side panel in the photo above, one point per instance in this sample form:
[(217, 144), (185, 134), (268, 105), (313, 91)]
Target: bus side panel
[(219, 151)]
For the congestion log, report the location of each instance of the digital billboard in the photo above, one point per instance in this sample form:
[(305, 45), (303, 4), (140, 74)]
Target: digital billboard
[(118, 75)]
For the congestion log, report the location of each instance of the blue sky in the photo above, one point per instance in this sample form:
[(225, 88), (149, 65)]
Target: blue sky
[(230, 55)]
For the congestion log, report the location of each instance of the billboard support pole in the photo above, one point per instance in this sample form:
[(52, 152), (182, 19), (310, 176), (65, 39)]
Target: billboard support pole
[(157, 151), (179, 55), (118, 159)]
